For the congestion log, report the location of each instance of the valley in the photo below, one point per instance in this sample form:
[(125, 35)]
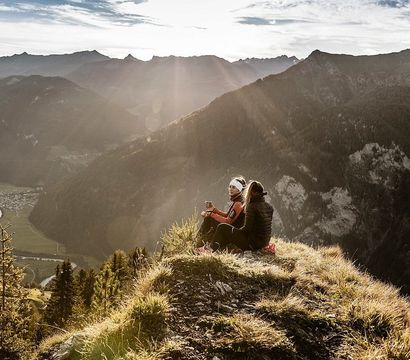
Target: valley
[(33, 250)]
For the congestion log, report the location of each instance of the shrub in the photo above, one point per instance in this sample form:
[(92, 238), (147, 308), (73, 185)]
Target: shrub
[(148, 314), (180, 238), (128, 331)]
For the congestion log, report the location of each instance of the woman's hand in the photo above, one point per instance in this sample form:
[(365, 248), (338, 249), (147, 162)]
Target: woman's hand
[(206, 213)]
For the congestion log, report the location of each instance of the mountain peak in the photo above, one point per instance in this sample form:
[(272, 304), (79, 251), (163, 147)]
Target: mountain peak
[(22, 54), (129, 57), (92, 53), (317, 53)]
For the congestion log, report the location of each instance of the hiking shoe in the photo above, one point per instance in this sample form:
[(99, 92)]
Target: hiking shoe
[(203, 250), (270, 249)]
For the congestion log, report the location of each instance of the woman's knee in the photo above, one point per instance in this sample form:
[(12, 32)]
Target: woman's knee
[(224, 228)]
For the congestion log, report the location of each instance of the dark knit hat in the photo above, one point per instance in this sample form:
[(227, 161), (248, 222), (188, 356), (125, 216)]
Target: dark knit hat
[(258, 188)]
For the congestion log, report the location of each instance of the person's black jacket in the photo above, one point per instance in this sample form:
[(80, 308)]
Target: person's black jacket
[(258, 222)]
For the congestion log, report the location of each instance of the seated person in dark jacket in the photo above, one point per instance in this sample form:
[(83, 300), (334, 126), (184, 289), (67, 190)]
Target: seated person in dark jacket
[(256, 232), (213, 216)]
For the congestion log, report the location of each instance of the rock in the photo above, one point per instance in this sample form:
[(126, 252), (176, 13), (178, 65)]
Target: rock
[(377, 164), (64, 350), (222, 287), (341, 215), (226, 308), (291, 193)]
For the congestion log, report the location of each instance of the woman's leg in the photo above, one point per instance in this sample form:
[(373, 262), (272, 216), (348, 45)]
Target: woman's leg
[(241, 240), (206, 231), (228, 235)]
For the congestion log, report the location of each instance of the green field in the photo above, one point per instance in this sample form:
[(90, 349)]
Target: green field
[(11, 188), (27, 238)]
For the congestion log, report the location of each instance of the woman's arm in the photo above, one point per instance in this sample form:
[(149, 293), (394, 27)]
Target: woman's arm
[(250, 215), (229, 218), (219, 212)]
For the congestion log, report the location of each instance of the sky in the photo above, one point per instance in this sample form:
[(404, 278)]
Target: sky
[(231, 29)]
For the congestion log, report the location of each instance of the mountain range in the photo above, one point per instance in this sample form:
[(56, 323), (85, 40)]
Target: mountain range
[(165, 88), (76, 125), (51, 127), (46, 65), (328, 138), (157, 91)]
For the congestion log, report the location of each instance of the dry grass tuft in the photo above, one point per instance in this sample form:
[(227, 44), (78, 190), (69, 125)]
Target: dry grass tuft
[(180, 238), (375, 318), (246, 333), (395, 347), (218, 264), (154, 279), (289, 307), (135, 327), (148, 314), (331, 251), (157, 351)]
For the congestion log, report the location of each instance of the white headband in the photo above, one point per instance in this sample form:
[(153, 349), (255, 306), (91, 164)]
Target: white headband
[(237, 184)]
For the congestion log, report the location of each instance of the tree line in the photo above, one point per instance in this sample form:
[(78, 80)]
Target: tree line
[(76, 297)]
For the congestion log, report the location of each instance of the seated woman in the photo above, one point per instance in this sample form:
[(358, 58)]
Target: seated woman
[(256, 232), (213, 216)]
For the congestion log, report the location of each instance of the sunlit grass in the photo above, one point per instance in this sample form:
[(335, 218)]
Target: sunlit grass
[(302, 301)]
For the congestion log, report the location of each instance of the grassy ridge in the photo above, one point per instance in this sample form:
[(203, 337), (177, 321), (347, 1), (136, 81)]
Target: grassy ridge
[(301, 304)]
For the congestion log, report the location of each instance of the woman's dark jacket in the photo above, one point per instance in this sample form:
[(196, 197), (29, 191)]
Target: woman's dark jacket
[(258, 222)]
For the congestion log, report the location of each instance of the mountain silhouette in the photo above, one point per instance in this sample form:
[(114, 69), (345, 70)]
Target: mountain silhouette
[(166, 88), (46, 65)]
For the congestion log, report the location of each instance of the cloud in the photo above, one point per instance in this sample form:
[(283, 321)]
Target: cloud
[(230, 28), (394, 3), (94, 13), (253, 20)]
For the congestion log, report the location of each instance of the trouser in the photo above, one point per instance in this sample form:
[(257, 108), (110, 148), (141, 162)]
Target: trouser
[(227, 236), (206, 231)]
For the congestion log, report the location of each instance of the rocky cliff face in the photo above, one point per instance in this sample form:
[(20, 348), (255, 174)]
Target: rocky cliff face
[(329, 138)]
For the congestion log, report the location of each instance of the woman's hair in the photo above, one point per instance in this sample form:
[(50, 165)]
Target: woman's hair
[(254, 186)]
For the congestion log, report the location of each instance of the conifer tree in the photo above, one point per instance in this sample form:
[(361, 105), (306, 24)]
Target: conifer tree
[(60, 304), (88, 289), (119, 266), (137, 261), (79, 280), (84, 290), (106, 289), (14, 306)]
